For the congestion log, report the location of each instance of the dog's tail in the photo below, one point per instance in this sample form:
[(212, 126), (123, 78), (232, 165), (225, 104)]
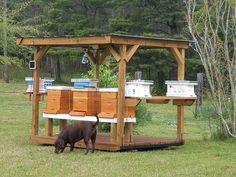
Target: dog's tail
[(94, 125)]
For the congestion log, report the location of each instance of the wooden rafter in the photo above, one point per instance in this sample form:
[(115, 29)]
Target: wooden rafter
[(177, 54), (91, 56), (40, 52), (114, 52), (130, 52), (103, 55)]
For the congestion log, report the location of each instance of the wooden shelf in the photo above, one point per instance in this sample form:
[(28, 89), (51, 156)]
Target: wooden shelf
[(185, 101), (87, 118), (29, 95)]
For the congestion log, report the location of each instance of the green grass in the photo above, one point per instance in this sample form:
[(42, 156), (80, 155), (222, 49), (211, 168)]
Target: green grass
[(199, 156)]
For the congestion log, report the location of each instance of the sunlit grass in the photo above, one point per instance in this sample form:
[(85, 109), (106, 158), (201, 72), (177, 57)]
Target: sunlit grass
[(198, 157)]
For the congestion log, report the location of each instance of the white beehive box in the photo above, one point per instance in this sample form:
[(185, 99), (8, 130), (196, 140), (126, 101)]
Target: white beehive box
[(181, 88), (43, 84), (138, 88)]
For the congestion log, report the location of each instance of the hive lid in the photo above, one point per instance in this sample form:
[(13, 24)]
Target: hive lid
[(45, 79), (148, 82), (182, 82), (85, 89), (58, 88), (83, 80)]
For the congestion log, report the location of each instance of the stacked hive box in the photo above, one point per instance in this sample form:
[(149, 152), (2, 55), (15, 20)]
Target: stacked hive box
[(58, 100), (107, 101), (84, 102)]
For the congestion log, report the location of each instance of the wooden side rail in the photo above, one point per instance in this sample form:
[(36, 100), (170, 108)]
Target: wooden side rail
[(86, 118)]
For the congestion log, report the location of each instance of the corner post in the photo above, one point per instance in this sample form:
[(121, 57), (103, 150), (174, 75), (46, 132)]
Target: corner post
[(121, 95), (38, 54), (180, 108)]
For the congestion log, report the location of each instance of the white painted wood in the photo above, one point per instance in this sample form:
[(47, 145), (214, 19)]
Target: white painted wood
[(87, 118)]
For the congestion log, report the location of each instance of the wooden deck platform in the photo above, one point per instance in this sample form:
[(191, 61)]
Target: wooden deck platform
[(103, 142)]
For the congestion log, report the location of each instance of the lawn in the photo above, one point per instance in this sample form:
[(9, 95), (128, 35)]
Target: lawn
[(200, 156)]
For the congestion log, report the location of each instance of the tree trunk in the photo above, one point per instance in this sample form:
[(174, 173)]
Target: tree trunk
[(5, 65), (58, 70), (55, 69)]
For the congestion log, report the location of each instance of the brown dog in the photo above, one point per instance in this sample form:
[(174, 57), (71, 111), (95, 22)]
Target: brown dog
[(75, 132)]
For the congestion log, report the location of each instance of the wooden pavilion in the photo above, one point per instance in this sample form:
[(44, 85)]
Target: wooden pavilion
[(122, 48)]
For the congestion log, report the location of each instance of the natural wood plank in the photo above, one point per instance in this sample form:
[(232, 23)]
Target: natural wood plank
[(113, 133), (121, 95), (115, 53), (128, 133), (181, 66), (180, 122), (149, 42), (40, 52), (103, 142), (185, 102), (143, 42), (63, 123), (49, 126), (178, 56), (132, 101), (35, 107), (131, 51), (103, 55), (91, 56), (64, 41)]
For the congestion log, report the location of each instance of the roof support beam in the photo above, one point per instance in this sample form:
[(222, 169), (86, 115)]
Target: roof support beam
[(97, 59), (177, 54), (114, 52), (40, 52), (130, 52)]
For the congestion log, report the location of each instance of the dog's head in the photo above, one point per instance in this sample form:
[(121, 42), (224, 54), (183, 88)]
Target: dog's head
[(59, 146)]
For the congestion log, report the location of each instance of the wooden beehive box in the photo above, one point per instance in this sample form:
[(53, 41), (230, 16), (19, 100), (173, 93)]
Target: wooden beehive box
[(58, 100), (107, 102), (84, 102), (130, 106)]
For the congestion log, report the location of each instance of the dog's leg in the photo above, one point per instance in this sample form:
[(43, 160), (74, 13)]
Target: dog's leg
[(86, 141), (72, 145), (93, 139)]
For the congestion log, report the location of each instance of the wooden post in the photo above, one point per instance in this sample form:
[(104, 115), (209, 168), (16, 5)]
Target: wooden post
[(63, 123), (49, 126), (180, 108), (121, 96), (123, 55), (113, 133), (38, 54), (128, 132), (35, 108), (179, 55)]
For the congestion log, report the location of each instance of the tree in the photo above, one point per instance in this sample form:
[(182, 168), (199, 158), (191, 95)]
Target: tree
[(212, 24), (5, 65), (12, 25)]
